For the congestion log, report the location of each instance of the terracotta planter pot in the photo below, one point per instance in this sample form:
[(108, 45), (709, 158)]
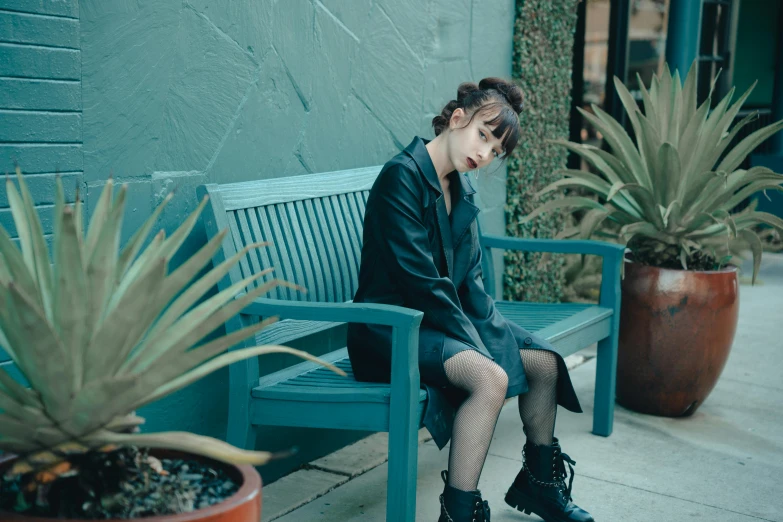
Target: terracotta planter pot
[(676, 330), (242, 506)]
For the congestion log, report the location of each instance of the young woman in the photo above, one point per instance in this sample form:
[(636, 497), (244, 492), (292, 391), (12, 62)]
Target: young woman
[(421, 251)]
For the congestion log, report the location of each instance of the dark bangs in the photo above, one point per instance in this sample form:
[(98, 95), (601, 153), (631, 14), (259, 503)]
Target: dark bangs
[(507, 125)]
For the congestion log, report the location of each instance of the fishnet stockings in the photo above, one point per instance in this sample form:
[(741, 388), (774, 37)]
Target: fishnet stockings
[(538, 407), (486, 384), (474, 423)]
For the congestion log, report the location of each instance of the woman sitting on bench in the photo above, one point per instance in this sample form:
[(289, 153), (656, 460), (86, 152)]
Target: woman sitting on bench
[(421, 250)]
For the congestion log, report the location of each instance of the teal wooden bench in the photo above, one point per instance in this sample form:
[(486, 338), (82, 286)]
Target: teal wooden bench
[(314, 224)]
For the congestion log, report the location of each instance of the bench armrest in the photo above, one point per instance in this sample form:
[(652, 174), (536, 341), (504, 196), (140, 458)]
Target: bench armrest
[(565, 246), (367, 313), (611, 269), (405, 379)]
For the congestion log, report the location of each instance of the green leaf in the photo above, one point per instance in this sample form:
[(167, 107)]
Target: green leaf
[(621, 143), (21, 394), (176, 282), (671, 181), (22, 226), (747, 191), (747, 145), (45, 357), (592, 220), (43, 271), (761, 217), (645, 228), (99, 218), (693, 133), (16, 265), (649, 144), (100, 267), (135, 243), (649, 107), (226, 359), (70, 296), (125, 324), (174, 364), (172, 244), (590, 181), (755, 246), (188, 442), (672, 216), (688, 98), (98, 402), (197, 323), (567, 202), (708, 138), (728, 140)]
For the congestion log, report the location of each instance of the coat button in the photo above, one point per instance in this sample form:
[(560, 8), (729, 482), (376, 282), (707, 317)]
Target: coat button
[(528, 341)]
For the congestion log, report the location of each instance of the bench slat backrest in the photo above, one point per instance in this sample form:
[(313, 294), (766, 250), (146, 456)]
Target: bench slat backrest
[(313, 224)]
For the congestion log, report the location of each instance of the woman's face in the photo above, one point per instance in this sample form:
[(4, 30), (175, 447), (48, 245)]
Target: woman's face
[(473, 146)]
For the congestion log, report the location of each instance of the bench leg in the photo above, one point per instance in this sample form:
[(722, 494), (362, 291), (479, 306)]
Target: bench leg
[(242, 375), (403, 469), (605, 381), (240, 432)]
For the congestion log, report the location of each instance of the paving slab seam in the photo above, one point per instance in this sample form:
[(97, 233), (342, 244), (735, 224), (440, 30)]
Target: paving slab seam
[(306, 500), (332, 471), (582, 475), (572, 362)]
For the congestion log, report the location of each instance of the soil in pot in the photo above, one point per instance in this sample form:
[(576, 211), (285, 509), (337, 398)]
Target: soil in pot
[(126, 483)]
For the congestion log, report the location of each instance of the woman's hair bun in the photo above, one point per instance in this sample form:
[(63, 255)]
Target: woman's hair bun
[(508, 90), (466, 89)]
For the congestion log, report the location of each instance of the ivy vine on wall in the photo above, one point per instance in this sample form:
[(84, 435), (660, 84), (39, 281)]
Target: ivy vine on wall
[(542, 63)]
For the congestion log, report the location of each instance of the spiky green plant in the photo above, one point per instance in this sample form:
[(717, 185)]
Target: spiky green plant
[(672, 191), (101, 332)]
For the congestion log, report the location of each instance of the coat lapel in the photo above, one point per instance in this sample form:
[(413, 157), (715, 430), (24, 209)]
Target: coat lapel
[(463, 211), (418, 151)]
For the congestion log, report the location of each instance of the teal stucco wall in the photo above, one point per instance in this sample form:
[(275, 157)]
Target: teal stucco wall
[(178, 93)]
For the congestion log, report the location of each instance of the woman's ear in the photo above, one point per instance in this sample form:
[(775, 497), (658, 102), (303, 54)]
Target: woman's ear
[(456, 118)]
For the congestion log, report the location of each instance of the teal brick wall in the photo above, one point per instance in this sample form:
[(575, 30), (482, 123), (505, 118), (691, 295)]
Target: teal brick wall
[(40, 98), (40, 102), (176, 94)]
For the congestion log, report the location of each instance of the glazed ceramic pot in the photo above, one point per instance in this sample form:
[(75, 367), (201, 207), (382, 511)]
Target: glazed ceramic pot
[(242, 506), (676, 330)]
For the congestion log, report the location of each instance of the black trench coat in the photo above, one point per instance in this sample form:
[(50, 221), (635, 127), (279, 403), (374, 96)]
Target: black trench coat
[(415, 255)]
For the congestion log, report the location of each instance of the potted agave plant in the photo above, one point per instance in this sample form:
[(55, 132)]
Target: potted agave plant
[(92, 337), (671, 196)]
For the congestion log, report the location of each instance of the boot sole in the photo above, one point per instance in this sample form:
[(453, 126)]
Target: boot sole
[(527, 505), (524, 504), (518, 502)]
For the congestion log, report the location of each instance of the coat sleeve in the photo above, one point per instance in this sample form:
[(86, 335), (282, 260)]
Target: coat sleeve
[(395, 212), (480, 306)]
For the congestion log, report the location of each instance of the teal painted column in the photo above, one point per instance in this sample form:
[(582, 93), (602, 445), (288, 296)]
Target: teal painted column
[(776, 141), (682, 40)]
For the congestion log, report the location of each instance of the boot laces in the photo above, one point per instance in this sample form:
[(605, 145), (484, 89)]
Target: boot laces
[(480, 514), (561, 459), (481, 511)]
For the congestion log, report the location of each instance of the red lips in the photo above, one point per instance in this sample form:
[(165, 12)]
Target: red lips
[(472, 164)]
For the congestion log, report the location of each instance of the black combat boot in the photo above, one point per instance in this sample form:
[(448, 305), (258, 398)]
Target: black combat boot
[(461, 506), (540, 487)]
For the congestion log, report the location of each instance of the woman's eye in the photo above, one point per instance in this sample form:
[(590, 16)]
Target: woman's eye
[(483, 136), (495, 153)]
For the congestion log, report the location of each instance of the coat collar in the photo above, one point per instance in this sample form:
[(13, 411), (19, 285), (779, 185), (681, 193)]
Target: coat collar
[(417, 149), (463, 211)]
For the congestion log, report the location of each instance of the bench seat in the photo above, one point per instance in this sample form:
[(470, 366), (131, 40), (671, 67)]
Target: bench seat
[(287, 395)]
